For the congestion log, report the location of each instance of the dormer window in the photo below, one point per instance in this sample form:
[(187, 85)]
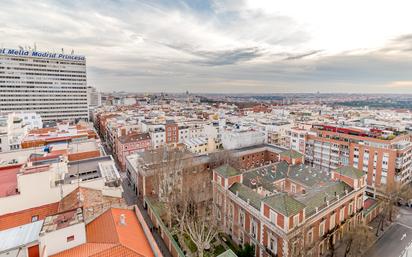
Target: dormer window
[(296, 220)]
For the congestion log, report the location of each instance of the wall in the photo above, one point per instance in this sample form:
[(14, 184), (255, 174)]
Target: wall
[(56, 241), (36, 190), (167, 237)]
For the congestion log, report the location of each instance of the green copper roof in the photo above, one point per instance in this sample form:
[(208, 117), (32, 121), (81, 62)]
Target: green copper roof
[(317, 198), (227, 253), (284, 204), (227, 171), (245, 193), (291, 153), (350, 171)]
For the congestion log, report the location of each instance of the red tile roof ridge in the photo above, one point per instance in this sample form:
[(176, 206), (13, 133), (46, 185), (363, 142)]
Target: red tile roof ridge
[(86, 249), (26, 210), (125, 236), (117, 250)]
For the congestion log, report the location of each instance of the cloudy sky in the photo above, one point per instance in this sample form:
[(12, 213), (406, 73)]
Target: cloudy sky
[(257, 46)]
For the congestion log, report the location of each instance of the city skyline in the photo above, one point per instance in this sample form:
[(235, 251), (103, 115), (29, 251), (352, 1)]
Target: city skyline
[(224, 46)]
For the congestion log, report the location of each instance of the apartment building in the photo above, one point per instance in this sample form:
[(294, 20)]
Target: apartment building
[(234, 139), (177, 167), (384, 156), (38, 176), (61, 133), (14, 127), (172, 132), (297, 139), (284, 209), (129, 144), (50, 84)]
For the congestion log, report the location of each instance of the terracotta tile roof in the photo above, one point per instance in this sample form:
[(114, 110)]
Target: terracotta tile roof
[(106, 223), (118, 250), (131, 235), (15, 219), (87, 249), (106, 237)]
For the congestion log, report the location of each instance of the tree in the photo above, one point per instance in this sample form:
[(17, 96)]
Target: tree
[(357, 240), (394, 194), (247, 251), (222, 157), (202, 229), (167, 167)]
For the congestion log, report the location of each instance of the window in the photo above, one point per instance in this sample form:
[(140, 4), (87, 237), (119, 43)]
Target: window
[(296, 220), (253, 230), (322, 228), (70, 238), (310, 236), (332, 221), (360, 202), (321, 249), (34, 218), (241, 238), (273, 244), (293, 188), (342, 214), (350, 208), (242, 218), (273, 217)]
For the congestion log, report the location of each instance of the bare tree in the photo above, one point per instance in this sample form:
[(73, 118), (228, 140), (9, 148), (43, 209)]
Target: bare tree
[(202, 229), (357, 240), (167, 166), (181, 208), (395, 194), (222, 157)]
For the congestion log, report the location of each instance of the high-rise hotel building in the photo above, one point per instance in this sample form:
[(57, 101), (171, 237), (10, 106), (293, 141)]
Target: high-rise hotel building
[(51, 84)]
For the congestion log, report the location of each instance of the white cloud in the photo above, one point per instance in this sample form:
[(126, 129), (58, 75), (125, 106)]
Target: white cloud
[(269, 45), (338, 26)]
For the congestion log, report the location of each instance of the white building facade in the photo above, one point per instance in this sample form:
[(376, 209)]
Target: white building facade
[(50, 84)]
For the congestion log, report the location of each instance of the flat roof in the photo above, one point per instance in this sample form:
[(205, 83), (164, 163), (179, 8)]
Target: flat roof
[(19, 236), (84, 146), (62, 220)]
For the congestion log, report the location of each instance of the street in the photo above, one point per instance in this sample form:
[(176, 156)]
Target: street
[(393, 243), (395, 240), (131, 199)]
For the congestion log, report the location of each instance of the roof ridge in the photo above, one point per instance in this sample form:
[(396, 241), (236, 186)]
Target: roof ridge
[(114, 224), (284, 202), (132, 250), (119, 245)]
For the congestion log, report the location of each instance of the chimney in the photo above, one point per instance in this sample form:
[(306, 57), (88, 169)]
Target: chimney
[(123, 219)]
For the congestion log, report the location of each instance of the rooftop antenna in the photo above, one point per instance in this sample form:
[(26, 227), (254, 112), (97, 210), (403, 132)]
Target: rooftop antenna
[(72, 52), (35, 46), (20, 47)]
